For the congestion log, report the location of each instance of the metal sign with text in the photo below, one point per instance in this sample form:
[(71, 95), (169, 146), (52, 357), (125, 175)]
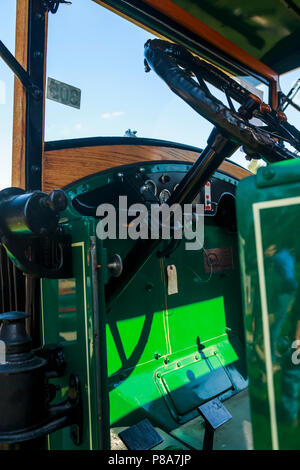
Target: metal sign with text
[(63, 93)]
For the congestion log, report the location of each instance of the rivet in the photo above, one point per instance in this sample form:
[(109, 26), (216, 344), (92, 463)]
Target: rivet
[(35, 168), (38, 55)]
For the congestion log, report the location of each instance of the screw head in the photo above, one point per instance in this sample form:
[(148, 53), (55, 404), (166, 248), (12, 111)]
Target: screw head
[(35, 168)]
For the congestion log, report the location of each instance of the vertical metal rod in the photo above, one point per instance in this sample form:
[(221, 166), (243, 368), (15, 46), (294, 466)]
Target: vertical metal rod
[(208, 441)]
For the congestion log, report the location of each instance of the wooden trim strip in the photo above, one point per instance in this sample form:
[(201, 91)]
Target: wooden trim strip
[(19, 117), (62, 167)]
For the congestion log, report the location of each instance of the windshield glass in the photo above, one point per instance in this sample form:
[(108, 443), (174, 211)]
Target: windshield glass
[(7, 36), (102, 54)]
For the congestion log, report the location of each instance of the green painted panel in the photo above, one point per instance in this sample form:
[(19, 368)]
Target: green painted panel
[(148, 332), (157, 330), (197, 323), (268, 217), (67, 319)]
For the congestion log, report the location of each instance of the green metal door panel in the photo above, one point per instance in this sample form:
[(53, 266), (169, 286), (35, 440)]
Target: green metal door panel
[(131, 334), (67, 320), (195, 283), (268, 208), (150, 332), (205, 320)]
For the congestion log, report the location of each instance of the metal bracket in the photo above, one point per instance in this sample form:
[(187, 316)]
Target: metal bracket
[(52, 5), (215, 415), (20, 72)]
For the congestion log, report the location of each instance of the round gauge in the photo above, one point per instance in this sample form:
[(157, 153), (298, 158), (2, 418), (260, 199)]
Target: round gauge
[(164, 196), (152, 186)]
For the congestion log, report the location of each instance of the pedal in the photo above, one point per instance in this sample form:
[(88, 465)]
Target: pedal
[(215, 414), (141, 436)]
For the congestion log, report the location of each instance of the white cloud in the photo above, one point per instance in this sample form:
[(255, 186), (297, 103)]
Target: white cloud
[(112, 115)]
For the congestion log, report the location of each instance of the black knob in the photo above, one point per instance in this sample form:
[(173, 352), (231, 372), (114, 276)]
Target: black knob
[(58, 200), (164, 179)]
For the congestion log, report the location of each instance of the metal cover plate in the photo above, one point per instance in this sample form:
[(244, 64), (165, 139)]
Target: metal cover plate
[(215, 413), (63, 93), (194, 384), (141, 436)]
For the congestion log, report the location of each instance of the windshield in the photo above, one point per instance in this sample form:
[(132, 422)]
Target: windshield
[(102, 54)]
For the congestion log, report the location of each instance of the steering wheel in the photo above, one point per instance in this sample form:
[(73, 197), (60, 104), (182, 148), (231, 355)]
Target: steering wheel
[(180, 70)]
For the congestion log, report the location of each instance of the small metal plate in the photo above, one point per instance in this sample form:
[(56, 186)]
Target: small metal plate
[(141, 436), (215, 413), (63, 93), (218, 259)]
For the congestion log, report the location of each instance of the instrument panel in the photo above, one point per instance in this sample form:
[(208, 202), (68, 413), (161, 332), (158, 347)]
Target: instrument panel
[(153, 182)]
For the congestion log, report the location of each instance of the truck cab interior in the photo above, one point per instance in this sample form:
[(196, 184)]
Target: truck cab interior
[(155, 342)]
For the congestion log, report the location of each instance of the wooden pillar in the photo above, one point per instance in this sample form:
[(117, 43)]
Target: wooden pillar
[(19, 116)]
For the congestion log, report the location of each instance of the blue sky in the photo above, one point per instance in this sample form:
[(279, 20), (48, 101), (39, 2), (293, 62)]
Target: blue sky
[(102, 54)]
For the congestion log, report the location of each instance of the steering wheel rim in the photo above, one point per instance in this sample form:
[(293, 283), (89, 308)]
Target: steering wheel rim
[(174, 64)]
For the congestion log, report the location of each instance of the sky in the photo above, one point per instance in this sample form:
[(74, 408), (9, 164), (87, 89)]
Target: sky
[(99, 52)]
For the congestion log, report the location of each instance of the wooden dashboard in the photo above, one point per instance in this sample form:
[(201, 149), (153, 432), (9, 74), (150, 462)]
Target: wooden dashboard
[(64, 163)]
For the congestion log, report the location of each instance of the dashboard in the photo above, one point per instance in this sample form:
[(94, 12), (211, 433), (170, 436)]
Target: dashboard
[(150, 182)]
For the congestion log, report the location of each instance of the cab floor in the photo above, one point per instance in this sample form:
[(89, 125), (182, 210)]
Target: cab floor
[(236, 434)]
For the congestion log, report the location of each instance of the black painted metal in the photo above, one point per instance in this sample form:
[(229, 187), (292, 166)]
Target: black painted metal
[(99, 141), (25, 213), (52, 5), (20, 72), (30, 233), (22, 375), (20, 291), (34, 108), (25, 394)]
